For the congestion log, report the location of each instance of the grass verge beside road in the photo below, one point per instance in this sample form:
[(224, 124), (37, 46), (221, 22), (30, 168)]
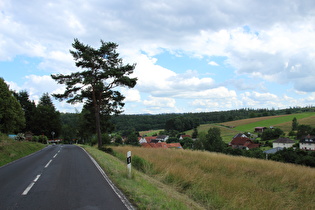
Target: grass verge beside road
[(142, 190), (11, 150)]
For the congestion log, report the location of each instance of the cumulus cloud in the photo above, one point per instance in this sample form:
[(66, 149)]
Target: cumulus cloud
[(159, 102), (162, 82), (261, 49), (213, 63), (131, 95)]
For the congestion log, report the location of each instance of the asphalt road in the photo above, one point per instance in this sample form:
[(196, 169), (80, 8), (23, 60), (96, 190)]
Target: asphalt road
[(58, 177)]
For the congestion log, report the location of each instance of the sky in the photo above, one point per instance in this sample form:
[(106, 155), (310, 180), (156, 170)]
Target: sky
[(190, 55)]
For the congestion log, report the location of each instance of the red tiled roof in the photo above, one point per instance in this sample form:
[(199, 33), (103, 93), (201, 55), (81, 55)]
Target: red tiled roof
[(244, 141), (251, 146), (148, 139), (240, 141), (161, 145), (183, 136), (174, 145)]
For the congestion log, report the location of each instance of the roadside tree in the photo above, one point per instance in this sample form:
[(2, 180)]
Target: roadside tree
[(103, 71), (12, 117), (29, 109), (47, 118)]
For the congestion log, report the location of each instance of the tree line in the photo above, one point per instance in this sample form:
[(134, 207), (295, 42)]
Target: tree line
[(164, 121), (18, 114)]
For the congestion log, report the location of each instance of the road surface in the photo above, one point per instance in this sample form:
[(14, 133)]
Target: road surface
[(58, 177)]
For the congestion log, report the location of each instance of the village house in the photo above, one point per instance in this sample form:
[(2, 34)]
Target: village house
[(156, 142), (183, 136), (162, 138), (283, 143), (240, 135), (162, 145), (259, 129), (243, 143), (150, 139), (307, 143)]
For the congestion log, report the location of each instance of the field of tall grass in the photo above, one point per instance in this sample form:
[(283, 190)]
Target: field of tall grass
[(142, 190), (218, 181)]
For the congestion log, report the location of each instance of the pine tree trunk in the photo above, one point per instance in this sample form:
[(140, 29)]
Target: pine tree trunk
[(98, 126)]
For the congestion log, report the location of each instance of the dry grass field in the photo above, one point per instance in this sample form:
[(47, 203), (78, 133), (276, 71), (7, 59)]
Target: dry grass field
[(218, 181)]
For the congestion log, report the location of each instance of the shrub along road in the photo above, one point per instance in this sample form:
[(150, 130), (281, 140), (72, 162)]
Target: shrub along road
[(58, 177)]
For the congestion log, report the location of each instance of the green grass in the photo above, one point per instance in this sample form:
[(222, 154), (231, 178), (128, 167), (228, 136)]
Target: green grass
[(226, 133), (248, 125), (287, 126), (11, 150), (150, 132)]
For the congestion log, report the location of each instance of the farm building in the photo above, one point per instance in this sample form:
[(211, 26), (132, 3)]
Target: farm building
[(283, 142), (307, 143), (260, 129), (243, 143)]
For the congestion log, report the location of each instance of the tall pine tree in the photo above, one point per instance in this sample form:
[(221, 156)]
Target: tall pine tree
[(47, 118), (102, 72), (29, 109)]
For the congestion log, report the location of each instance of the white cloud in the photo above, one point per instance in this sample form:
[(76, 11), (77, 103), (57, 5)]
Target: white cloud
[(216, 99), (159, 102), (132, 95), (163, 82), (264, 51), (213, 63), (58, 62)]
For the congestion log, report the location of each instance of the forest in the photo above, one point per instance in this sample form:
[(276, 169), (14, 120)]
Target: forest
[(150, 122), (20, 114)]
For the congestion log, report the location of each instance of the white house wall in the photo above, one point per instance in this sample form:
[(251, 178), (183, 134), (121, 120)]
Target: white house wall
[(307, 146), (282, 145)]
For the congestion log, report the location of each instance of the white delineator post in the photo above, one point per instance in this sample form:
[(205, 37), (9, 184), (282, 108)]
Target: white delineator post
[(129, 163)]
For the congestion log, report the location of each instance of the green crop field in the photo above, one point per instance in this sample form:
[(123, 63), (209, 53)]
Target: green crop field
[(226, 133), (230, 129), (283, 121)]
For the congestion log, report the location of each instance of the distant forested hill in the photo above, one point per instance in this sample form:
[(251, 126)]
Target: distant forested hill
[(149, 122)]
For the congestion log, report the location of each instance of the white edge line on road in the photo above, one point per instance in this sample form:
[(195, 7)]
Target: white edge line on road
[(111, 184), (31, 185)]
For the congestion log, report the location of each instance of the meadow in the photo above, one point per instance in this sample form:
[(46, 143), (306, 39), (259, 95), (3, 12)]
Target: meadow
[(282, 121), (218, 181), (11, 150), (231, 128)]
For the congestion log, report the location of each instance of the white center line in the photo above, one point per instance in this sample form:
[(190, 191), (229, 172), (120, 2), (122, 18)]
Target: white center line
[(48, 164), (31, 185), (37, 177)]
